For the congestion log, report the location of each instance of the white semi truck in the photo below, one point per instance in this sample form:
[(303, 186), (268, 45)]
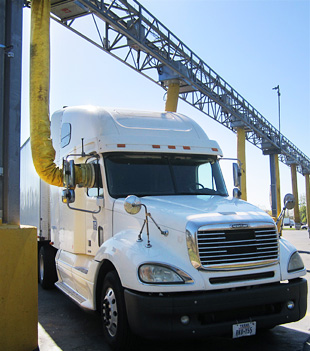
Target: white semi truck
[(154, 243)]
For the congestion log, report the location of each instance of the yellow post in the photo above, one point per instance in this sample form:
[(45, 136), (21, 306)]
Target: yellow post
[(295, 193), (308, 200), (278, 190), (172, 96), (241, 157), (18, 288)]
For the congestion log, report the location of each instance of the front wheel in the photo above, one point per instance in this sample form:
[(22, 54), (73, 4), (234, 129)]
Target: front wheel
[(113, 313)]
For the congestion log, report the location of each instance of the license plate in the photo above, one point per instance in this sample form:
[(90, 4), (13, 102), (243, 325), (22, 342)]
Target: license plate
[(244, 329)]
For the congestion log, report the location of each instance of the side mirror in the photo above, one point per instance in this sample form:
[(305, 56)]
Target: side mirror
[(85, 178), (132, 204), (68, 194), (68, 174), (289, 201), (236, 175), (236, 193)]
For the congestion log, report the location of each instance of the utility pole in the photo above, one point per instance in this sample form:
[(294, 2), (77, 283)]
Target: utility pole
[(274, 169), (277, 88)]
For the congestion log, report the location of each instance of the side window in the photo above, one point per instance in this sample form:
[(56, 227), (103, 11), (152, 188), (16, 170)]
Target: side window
[(65, 134), (97, 189)]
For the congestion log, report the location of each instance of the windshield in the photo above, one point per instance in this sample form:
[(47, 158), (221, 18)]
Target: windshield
[(164, 174)]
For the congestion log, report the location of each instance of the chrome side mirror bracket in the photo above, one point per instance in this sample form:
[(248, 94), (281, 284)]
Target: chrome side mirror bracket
[(132, 205)]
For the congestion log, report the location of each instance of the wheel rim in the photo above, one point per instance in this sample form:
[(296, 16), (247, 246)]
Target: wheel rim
[(109, 312)]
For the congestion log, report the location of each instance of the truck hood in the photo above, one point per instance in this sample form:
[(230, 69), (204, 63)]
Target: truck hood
[(175, 212)]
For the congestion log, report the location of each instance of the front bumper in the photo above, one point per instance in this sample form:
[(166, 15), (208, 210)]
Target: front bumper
[(214, 312)]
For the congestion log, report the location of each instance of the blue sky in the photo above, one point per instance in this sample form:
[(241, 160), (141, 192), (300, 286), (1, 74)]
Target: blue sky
[(254, 45)]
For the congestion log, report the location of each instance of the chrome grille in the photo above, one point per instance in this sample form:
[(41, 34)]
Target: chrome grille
[(237, 247)]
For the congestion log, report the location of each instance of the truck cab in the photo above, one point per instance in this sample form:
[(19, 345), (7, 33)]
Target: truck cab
[(155, 244)]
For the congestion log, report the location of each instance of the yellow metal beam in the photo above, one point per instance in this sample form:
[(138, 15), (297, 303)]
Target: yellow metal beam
[(295, 193), (241, 157), (278, 190), (18, 288), (172, 96)]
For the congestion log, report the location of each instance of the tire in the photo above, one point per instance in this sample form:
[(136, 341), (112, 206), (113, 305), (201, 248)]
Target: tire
[(113, 314), (47, 267)]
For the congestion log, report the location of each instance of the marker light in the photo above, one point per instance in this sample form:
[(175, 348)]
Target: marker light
[(295, 263)]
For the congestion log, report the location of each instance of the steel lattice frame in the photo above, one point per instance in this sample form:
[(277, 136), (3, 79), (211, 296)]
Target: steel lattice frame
[(130, 33)]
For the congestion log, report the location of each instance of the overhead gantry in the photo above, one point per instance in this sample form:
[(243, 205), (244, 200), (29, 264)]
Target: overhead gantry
[(130, 33)]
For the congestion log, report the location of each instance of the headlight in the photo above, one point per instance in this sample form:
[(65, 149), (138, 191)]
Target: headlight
[(161, 274), (295, 263)]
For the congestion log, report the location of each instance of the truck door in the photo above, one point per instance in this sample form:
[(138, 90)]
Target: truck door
[(95, 222)]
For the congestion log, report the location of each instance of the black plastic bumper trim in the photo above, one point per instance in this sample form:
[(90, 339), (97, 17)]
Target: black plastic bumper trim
[(214, 312)]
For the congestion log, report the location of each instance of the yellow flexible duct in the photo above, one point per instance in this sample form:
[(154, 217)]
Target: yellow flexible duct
[(43, 153), (172, 96)]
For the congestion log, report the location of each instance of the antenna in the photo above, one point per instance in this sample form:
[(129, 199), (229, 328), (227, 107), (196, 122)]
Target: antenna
[(83, 153)]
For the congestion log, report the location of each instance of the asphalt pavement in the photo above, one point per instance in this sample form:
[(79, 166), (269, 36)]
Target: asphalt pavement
[(300, 239), (63, 326)]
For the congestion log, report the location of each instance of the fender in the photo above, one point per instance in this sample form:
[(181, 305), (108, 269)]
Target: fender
[(126, 254)]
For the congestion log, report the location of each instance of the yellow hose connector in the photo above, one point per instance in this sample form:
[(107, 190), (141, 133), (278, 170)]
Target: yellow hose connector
[(43, 153)]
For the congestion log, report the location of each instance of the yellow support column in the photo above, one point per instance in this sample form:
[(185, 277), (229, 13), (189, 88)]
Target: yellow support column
[(278, 190), (295, 193), (308, 200), (172, 96), (241, 157), (18, 288)]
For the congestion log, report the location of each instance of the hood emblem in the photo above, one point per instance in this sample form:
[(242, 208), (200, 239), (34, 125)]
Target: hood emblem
[(241, 225)]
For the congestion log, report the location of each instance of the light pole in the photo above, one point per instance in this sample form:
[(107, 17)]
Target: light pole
[(274, 168), (279, 94)]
